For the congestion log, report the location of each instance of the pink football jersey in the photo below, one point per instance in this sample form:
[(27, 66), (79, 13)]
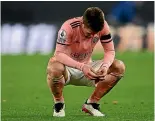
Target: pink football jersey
[(72, 41)]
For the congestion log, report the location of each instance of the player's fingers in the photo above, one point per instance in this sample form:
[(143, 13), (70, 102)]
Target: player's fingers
[(99, 72), (102, 76), (93, 70), (89, 77), (92, 74)]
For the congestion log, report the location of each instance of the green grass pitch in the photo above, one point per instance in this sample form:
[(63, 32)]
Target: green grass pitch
[(26, 97)]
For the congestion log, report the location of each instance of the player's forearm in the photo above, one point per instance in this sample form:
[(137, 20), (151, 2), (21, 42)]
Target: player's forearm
[(68, 61), (108, 58), (109, 54)]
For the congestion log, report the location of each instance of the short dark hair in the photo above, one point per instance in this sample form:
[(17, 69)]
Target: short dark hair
[(93, 18)]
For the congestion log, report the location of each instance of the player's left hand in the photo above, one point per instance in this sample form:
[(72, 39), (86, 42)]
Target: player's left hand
[(102, 72)]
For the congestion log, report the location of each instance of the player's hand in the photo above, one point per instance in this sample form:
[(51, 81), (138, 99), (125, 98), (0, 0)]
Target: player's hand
[(89, 72), (102, 72)]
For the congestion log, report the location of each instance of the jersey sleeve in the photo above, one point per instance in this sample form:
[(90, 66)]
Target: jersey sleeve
[(64, 40), (108, 46), (105, 35), (64, 34)]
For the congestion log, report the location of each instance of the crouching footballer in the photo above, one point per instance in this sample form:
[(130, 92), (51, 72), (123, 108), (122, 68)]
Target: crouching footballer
[(72, 63)]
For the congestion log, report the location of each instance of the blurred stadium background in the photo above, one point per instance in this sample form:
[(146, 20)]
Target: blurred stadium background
[(28, 36), (33, 26)]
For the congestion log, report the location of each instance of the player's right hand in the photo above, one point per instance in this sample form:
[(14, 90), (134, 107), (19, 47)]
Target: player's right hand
[(89, 72)]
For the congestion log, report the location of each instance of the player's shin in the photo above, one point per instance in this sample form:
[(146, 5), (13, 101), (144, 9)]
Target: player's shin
[(103, 87), (56, 86)]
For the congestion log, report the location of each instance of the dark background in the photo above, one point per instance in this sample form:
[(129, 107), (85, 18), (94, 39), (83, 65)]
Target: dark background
[(58, 11)]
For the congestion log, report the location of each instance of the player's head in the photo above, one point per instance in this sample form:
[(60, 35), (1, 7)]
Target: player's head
[(93, 18)]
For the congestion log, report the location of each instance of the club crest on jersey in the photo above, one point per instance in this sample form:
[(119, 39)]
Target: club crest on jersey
[(62, 36), (95, 39)]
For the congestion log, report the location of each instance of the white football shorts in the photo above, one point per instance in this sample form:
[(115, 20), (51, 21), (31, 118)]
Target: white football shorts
[(77, 78)]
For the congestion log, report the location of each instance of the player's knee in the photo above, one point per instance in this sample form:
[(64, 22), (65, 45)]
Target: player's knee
[(55, 70), (118, 66)]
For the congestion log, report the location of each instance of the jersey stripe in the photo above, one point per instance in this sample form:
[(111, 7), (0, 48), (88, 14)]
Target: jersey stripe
[(106, 41), (62, 43), (75, 24)]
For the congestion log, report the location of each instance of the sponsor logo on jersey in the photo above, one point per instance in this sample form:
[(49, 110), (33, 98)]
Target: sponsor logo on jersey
[(80, 56)]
